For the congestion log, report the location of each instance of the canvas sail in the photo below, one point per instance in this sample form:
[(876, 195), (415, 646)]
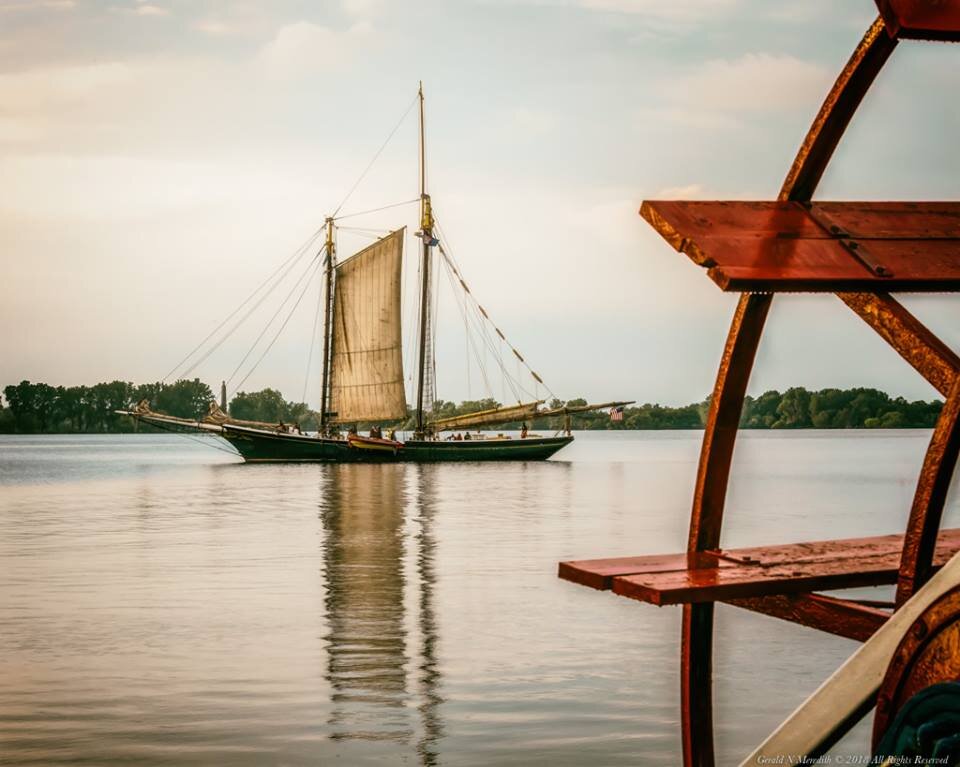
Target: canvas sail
[(367, 359), (522, 412)]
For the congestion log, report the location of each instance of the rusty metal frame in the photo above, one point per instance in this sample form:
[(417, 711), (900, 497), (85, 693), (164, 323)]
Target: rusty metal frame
[(933, 359)]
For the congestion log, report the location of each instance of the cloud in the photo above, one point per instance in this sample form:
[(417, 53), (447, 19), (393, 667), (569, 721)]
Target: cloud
[(151, 10), (359, 7), (688, 192), (532, 123), (671, 10), (59, 5), (213, 27), (141, 9), (755, 82), (42, 89), (303, 48)]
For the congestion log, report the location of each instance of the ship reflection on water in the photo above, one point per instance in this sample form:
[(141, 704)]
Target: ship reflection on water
[(381, 641)]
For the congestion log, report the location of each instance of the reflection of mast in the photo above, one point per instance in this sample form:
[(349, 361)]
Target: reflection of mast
[(366, 641), (370, 654), (430, 678)]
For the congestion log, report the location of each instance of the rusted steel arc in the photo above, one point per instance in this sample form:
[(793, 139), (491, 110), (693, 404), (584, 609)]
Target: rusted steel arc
[(920, 540), (723, 419), (939, 365), (926, 353), (696, 691), (735, 367), (837, 110), (716, 454), (834, 616)]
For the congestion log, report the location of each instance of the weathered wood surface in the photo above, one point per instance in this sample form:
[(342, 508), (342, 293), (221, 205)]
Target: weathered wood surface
[(732, 574), (819, 611), (921, 19), (821, 247)]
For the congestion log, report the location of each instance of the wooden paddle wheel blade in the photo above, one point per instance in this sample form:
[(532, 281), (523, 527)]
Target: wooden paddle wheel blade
[(768, 247)]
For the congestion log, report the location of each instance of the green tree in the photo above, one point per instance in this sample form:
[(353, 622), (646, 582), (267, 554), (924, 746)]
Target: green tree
[(185, 399)]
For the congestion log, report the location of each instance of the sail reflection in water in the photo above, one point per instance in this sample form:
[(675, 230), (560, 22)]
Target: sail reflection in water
[(378, 563)]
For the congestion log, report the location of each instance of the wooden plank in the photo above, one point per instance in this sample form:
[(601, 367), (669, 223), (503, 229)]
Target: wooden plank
[(840, 617), (699, 219), (599, 573), (723, 575), (780, 247), (721, 584), (921, 19)]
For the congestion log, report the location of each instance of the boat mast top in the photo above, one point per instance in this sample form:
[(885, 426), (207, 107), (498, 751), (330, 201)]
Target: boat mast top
[(331, 250), (426, 234)]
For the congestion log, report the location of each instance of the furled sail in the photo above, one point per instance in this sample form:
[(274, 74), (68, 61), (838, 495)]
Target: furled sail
[(520, 412), (367, 358)]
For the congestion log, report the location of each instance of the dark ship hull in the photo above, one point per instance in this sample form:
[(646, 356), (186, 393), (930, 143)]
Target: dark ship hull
[(259, 445)]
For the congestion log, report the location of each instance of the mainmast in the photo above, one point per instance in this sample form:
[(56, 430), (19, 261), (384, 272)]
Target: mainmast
[(331, 249), (426, 233)]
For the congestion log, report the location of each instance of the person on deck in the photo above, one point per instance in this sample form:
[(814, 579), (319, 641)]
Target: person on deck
[(466, 435), (523, 432)]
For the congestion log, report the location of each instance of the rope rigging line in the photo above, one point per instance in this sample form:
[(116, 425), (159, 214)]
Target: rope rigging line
[(516, 388), (313, 342), (311, 265), (455, 267), (234, 453), (364, 229), (245, 317), (375, 210), (471, 344), (295, 256), (293, 309), (377, 155), (481, 320)]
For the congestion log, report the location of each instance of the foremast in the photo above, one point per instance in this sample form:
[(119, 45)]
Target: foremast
[(331, 251), (427, 240)]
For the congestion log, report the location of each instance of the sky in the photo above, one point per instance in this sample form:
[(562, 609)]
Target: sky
[(160, 158)]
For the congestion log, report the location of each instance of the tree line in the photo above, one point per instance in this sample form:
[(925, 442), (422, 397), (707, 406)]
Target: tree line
[(39, 408)]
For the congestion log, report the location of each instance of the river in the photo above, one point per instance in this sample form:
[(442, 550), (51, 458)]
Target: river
[(163, 603)]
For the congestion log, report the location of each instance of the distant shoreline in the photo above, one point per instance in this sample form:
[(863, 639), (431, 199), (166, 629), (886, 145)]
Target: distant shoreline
[(39, 408)]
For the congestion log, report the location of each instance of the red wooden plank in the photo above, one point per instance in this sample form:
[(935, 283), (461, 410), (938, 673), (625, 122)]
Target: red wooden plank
[(835, 616), (742, 582), (780, 246), (599, 573), (922, 19), (753, 572), (845, 569)]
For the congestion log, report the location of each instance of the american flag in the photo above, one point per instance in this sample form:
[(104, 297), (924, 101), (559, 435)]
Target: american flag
[(616, 413)]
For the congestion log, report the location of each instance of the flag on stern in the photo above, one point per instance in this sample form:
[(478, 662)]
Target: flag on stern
[(616, 413)]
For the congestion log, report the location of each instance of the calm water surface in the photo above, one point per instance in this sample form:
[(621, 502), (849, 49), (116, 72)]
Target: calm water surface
[(162, 603)]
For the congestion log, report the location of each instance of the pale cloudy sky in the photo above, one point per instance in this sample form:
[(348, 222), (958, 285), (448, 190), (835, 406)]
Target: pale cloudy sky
[(159, 158)]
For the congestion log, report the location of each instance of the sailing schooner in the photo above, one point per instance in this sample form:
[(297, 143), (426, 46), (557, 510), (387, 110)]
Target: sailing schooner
[(363, 379)]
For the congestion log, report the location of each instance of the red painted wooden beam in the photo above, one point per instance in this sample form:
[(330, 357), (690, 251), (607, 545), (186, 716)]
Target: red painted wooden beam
[(921, 19), (840, 617), (816, 247), (723, 575)]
